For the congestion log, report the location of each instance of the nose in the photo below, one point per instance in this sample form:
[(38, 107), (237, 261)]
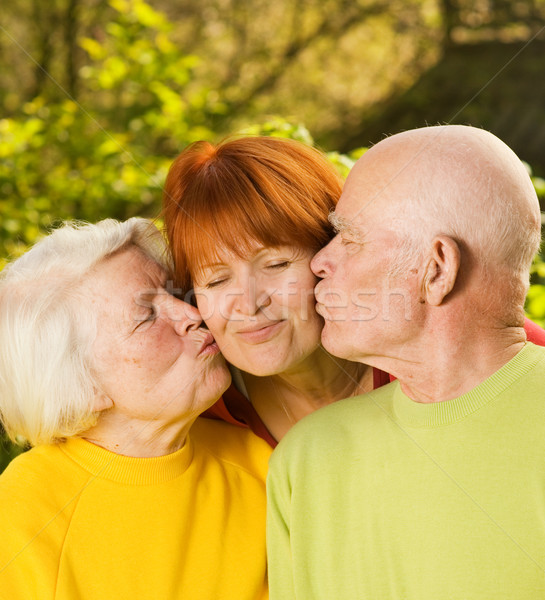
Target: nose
[(323, 265), (182, 316), (251, 296)]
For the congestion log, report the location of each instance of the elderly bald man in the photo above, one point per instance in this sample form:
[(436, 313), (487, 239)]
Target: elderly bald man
[(433, 486)]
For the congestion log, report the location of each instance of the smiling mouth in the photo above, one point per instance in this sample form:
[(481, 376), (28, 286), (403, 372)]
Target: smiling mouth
[(260, 333)]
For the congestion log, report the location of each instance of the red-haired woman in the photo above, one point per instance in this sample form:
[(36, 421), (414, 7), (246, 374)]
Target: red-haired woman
[(243, 219)]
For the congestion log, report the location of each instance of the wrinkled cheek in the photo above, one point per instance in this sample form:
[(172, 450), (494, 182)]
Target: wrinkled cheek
[(363, 307)]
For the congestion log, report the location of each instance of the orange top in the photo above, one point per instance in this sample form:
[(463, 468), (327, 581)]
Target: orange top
[(233, 407)]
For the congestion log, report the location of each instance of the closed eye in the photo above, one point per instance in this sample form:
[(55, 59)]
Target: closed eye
[(352, 246), (153, 314), (281, 265), (150, 317), (215, 282)]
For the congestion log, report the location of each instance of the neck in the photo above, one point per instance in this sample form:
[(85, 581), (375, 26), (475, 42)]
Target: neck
[(283, 399), (453, 365), (141, 439)]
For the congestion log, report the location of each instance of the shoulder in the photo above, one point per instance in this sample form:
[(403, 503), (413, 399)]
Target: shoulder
[(530, 365), (42, 474), (336, 427), (39, 491), (233, 446), (30, 469)]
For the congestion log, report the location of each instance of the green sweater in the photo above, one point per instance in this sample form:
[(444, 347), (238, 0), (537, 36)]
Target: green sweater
[(379, 497)]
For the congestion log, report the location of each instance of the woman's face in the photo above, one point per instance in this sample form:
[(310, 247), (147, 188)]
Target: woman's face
[(260, 308), (152, 358)]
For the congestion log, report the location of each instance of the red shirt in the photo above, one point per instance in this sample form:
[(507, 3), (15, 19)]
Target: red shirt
[(234, 408)]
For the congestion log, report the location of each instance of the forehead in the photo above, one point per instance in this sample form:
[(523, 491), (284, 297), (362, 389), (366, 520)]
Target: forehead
[(120, 276), (370, 193), (352, 212)]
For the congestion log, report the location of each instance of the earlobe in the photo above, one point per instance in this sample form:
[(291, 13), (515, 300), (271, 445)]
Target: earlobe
[(441, 270), (101, 401)]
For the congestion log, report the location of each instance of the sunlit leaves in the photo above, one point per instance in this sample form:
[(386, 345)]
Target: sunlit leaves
[(108, 155)]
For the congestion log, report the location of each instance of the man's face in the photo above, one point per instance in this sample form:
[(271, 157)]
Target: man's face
[(367, 310)]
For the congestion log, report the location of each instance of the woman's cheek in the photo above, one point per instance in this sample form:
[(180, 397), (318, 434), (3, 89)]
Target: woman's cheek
[(301, 295), (205, 304)]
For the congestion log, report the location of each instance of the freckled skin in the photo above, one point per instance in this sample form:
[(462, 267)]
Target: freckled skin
[(148, 365)]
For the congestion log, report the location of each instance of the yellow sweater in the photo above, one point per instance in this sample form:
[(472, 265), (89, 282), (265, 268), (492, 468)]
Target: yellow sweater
[(80, 522)]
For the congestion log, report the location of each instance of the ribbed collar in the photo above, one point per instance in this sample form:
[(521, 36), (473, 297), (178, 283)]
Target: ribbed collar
[(127, 469), (416, 414)]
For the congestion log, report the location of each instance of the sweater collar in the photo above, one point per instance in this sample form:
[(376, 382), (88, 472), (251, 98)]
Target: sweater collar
[(128, 470), (436, 414)]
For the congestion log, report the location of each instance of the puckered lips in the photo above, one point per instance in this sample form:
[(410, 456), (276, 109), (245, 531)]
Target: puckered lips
[(209, 346)]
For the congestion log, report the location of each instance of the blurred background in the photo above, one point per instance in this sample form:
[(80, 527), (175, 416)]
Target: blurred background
[(98, 96)]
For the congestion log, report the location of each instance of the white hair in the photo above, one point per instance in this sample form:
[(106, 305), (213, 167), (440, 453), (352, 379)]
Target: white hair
[(46, 330)]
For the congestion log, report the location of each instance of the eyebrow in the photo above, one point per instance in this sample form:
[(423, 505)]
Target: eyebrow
[(342, 225)]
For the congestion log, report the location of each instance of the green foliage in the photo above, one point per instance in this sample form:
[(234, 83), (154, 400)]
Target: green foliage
[(108, 155), (535, 300), (8, 451)]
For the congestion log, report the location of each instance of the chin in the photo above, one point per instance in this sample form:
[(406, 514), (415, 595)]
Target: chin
[(333, 344), (220, 379), (265, 366)]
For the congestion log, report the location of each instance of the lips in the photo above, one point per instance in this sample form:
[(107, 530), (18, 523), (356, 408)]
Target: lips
[(260, 332), (322, 307), (209, 345), (319, 292), (258, 327)]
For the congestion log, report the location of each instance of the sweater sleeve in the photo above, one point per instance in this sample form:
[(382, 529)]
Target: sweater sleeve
[(281, 580), (33, 523)]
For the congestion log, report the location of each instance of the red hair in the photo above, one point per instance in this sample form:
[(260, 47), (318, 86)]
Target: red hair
[(226, 197)]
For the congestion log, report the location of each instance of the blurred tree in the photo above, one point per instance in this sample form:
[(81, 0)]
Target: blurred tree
[(39, 48), (60, 160), (8, 451), (325, 62), (314, 59), (466, 19), (317, 61)]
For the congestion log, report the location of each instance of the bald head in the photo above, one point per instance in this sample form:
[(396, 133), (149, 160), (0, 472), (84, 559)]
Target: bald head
[(455, 180)]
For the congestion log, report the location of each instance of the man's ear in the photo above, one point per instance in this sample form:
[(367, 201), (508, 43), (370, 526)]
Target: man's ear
[(101, 401), (441, 270)]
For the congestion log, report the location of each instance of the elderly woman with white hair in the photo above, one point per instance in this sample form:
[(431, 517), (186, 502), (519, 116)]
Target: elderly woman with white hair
[(125, 493)]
